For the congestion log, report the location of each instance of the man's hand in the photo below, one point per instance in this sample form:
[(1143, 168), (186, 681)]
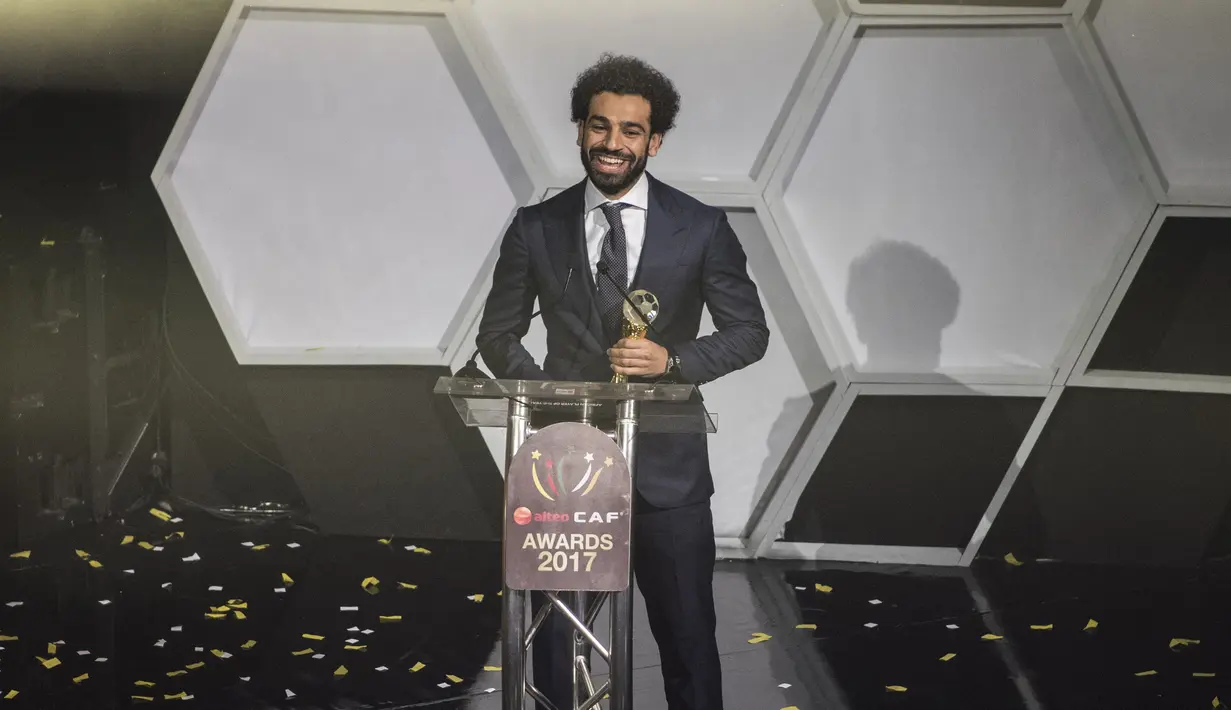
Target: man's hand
[(638, 357)]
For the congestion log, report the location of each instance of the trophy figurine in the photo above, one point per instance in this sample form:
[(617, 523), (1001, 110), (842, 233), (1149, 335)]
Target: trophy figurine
[(636, 322)]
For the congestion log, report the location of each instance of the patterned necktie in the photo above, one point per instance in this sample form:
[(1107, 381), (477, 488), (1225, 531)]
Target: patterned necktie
[(615, 255)]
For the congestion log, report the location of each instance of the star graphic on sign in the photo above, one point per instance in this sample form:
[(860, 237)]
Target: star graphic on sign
[(535, 455), (608, 461), (589, 458)]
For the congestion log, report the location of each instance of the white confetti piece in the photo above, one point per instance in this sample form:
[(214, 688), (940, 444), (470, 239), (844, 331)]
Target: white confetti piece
[(368, 631), (199, 649), (353, 629), (871, 625), (14, 605), (104, 602), (245, 678), (215, 588), (874, 601), (951, 626), (189, 697), (83, 653), (248, 543), (290, 694), (280, 590), (349, 608), (130, 571), (160, 643), (442, 685), (784, 686), (801, 589), (412, 548), (166, 585), (293, 545), (176, 520), (318, 656), (194, 558), (382, 669), (177, 629), (352, 641), (225, 655), (100, 660), (490, 690), (59, 643), (158, 548)]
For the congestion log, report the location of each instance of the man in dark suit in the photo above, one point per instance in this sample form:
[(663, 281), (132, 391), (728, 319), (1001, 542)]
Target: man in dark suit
[(621, 225)]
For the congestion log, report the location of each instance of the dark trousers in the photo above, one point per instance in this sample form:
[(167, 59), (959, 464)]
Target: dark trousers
[(673, 562)]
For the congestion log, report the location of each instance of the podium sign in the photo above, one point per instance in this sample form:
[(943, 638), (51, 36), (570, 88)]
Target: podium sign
[(568, 512)]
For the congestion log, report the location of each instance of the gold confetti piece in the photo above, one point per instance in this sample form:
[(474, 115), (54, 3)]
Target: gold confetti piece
[(476, 598), (81, 678), (407, 585), (286, 579), (354, 648), (759, 637), (51, 663), (385, 541), (991, 637), (248, 645), (51, 649), (218, 653), (258, 548), (390, 619), (896, 688), (177, 533), (143, 698), (1183, 642), (1012, 560), (173, 674), (8, 638), (11, 694), (417, 667), (824, 588), (341, 671), (145, 545), (1041, 627), (220, 609), (371, 585), (454, 678), (83, 554), (1216, 703), (215, 616), (314, 637), (237, 604), (128, 540), (805, 626), (1204, 675), (195, 666), (23, 555), (159, 514), (790, 707), (948, 657), (146, 683), (304, 652), (491, 669), (241, 615), (1143, 674), (1091, 624), (96, 564), (178, 696), (422, 551)]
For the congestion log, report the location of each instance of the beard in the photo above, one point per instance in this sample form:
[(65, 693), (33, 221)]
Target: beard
[(613, 183)]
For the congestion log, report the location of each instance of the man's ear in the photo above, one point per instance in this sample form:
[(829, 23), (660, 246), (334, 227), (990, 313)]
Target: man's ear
[(656, 141), (581, 133)]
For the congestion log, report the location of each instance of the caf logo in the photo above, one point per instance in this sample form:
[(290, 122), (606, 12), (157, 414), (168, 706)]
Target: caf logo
[(565, 477)]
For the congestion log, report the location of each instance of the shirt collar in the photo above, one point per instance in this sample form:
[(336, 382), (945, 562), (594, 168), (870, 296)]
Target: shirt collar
[(638, 197)]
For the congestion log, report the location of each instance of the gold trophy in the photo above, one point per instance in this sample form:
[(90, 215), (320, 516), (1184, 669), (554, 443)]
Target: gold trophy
[(636, 321)]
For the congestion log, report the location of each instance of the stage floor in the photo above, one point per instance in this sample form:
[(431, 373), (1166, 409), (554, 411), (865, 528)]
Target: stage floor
[(227, 615)]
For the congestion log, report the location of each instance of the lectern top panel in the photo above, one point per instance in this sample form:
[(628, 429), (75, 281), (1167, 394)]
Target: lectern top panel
[(563, 391)]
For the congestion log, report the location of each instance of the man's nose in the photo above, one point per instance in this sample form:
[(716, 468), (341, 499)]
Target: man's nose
[(612, 142)]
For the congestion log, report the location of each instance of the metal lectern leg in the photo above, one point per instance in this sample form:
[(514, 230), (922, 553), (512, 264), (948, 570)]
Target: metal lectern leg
[(621, 663), (513, 650)]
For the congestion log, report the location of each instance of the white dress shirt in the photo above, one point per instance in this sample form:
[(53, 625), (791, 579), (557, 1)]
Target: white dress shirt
[(633, 217)]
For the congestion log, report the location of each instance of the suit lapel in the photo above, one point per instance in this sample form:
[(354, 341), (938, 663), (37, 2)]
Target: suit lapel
[(661, 251), (564, 232)]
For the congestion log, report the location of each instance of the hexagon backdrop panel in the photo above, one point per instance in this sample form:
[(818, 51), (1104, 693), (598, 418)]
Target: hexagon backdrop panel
[(960, 200), (1171, 60), (345, 181), (753, 50), (915, 470), (762, 410), (1174, 315)]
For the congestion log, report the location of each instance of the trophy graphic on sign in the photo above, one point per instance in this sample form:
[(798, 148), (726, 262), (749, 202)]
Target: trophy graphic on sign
[(637, 321)]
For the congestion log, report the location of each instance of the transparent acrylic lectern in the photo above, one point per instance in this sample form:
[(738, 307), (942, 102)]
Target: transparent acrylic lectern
[(568, 533)]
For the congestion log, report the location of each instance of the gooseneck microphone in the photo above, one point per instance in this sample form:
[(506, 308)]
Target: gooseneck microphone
[(604, 269), (471, 368)]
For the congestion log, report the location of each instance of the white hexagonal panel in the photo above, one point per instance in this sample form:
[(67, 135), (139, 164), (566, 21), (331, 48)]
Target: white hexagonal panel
[(753, 53), (343, 186), (762, 409), (960, 201), (1173, 60)]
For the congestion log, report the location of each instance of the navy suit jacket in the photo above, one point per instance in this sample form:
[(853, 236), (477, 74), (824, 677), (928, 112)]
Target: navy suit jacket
[(691, 259)]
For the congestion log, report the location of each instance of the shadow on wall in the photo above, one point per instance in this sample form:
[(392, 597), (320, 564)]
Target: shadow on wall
[(901, 298)]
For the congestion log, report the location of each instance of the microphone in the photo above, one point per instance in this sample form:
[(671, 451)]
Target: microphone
[(471, 368), (604, 269)]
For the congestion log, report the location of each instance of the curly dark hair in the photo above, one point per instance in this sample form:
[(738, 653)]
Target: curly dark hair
[(628, 76)]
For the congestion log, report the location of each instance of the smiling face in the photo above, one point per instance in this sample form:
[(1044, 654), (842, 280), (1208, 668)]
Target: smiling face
[(616, 142)]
